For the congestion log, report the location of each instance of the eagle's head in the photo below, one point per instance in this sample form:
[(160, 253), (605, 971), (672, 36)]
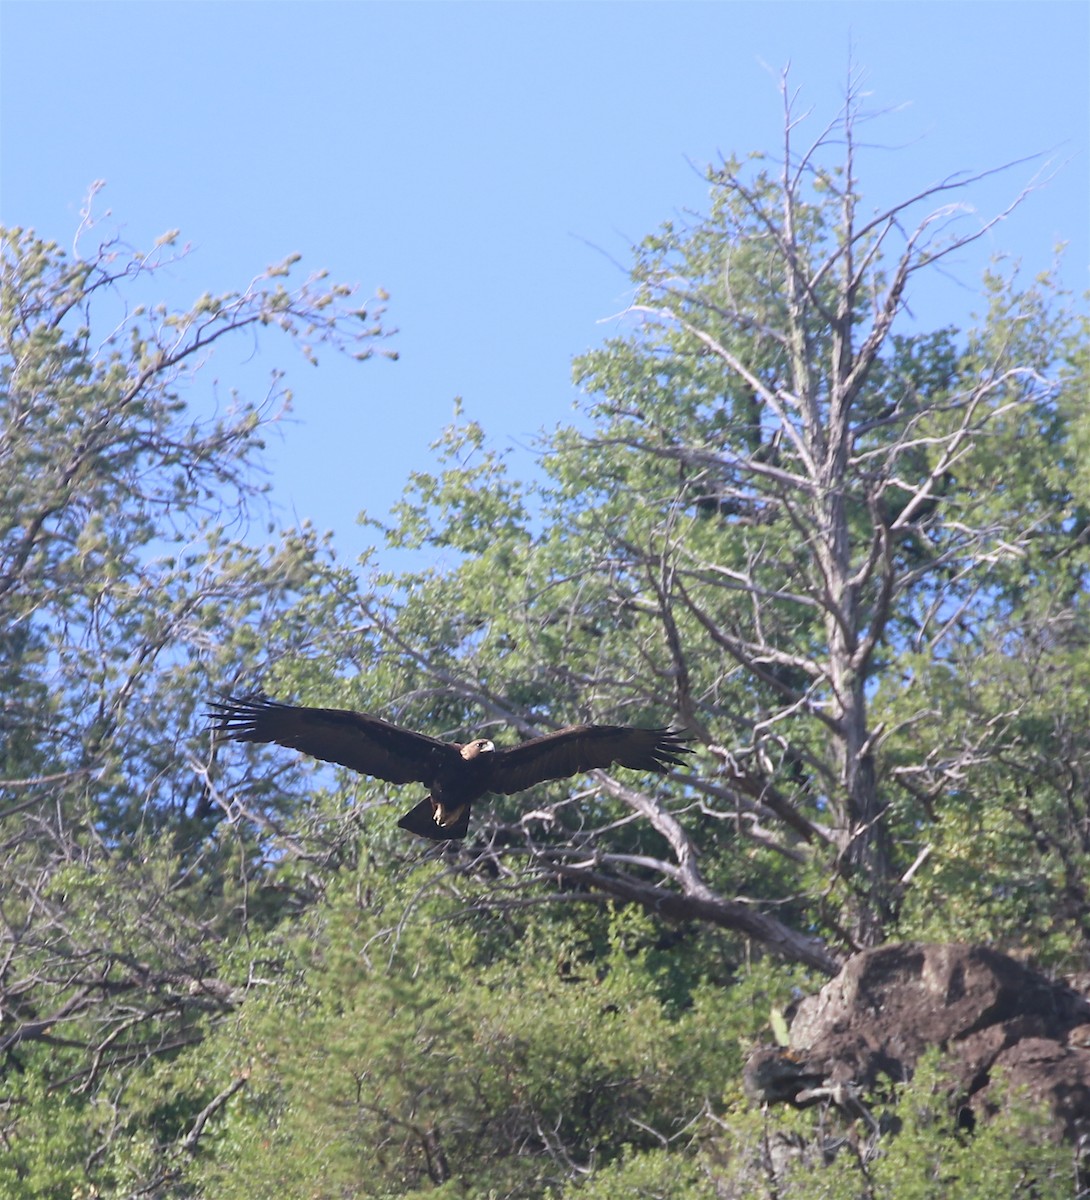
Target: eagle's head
[(472, 750)]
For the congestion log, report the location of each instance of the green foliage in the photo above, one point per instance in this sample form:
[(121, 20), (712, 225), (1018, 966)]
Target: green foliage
[(1016, 1154), (127, 595), (646, 1175), (495, 1053), (913, 1148), (47, 1147)]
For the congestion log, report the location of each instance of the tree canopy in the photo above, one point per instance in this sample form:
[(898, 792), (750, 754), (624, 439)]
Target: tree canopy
[(846, 551)]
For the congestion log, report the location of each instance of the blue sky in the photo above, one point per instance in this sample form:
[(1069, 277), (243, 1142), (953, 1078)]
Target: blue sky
[(489, 164)]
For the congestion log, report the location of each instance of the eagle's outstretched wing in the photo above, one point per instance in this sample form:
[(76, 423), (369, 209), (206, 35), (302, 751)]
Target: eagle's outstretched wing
[(582, 748), (356, 740)]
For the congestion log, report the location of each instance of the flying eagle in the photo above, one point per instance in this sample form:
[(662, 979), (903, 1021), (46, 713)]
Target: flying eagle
[(456, 774)]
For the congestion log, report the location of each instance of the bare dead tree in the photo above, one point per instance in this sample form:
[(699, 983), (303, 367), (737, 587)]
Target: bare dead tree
[(797, 519), (848, 463)]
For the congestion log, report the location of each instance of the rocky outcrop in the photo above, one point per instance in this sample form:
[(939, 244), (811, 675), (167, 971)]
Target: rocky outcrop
[(991, 1016)]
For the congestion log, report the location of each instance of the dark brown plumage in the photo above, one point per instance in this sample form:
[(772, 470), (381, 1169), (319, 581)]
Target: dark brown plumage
[(456, 774)]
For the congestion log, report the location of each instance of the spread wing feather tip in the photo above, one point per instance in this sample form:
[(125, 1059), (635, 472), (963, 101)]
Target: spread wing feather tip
[(581, 748), (356, 740)]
